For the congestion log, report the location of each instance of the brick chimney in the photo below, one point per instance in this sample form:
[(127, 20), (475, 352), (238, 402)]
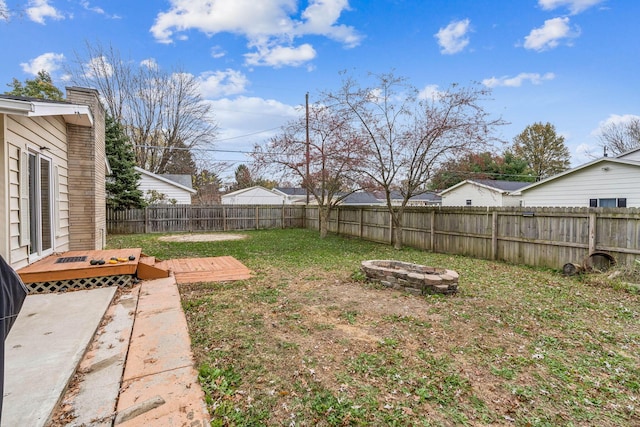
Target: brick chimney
[(87, 168)]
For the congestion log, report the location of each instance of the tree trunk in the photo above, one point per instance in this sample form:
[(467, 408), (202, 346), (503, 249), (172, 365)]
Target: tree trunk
[(396, 218), (323, 216)]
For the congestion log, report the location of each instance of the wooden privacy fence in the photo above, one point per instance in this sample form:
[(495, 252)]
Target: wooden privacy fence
[(193, 218), (544, 237)]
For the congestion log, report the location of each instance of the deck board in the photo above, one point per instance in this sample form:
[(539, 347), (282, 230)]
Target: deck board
[(213, 269), (46, 269)]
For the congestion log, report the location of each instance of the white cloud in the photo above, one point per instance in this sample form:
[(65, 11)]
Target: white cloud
[(246, 121), (453, 38), (98, 66), (150, 63), (97, 9), (217, 52), (214, 84), (4, 11), (549, 35), (430, 92), (38, 10), (574, 6), (279, 56), (268, 23), (614, 119), (48, 62), (517, 81)]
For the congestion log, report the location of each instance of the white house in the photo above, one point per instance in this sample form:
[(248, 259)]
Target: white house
[(255, 196), (482, 193), (428, 198), (52, 176), (172, 188), (605, 182)]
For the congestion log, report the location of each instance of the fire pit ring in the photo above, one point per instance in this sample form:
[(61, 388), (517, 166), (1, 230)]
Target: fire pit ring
[(413, 278)]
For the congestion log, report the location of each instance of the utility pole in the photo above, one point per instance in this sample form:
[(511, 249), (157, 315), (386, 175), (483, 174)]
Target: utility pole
[(307, 157)]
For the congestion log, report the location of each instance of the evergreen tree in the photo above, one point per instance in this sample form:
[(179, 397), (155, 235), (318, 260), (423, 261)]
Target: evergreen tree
[(41, 87), (122, 185)]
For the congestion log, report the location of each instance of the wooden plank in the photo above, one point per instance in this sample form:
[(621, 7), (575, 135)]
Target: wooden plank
[(214, 269), (46, 270), (146, 272)]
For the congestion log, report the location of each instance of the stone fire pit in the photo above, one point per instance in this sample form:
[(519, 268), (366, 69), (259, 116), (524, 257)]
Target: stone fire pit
[(413, 278)]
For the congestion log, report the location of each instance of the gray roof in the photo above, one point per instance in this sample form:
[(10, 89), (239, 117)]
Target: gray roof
[(32, 99), (292, 191), (502, 185), (184, 180), (360, 198)]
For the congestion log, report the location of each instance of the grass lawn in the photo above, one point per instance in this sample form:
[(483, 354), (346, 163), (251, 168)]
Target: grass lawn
[(308, 342)]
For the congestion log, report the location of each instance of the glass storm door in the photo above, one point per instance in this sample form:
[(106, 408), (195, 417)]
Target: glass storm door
[(40, 206)]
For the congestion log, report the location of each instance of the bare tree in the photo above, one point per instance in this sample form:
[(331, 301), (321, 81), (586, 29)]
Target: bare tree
[(162, 112), (408, 135), (326, 166), (618, 138)]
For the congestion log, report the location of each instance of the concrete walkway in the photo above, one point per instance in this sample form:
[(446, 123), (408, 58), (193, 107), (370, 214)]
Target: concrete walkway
[(138, 370)]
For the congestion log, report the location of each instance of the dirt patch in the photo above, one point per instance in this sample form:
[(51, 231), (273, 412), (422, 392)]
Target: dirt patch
[(216, 237)]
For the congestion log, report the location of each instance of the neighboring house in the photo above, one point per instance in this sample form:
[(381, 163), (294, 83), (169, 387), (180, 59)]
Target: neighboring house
[(605, 182), (254, 196), (425, 199), (52, 184), (176, 189), (360, 198), (484, 192), (295, 195)]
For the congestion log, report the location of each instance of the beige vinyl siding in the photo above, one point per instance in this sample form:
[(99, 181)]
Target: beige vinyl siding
[(634, 155), (5, 172), (47, 136), (575, 189)]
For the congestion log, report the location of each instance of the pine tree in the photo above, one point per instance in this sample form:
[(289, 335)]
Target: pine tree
[(122, 185), (41, 87)]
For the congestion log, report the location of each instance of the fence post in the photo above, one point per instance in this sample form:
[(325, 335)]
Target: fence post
[(146, 220), (592, 232), (283, 218), (433, 231), (257, 219), (224, 218), (360, 224), (391, 227), (494, 235)]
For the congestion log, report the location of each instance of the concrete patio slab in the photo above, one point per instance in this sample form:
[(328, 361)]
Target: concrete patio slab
[(44, 348), (94, 401), (160, 383)]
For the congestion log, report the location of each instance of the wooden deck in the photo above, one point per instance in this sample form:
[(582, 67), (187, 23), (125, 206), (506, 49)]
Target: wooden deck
[(216, 269), (188, 270), (48, 269)]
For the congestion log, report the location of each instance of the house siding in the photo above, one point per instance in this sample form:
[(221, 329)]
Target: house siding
[(148, 183), (575, 190), (45, 135), (253, 196), (633, 155), (479, 196)]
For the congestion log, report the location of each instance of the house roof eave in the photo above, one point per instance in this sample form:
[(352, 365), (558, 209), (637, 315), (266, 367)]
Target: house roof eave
[(72, 113), (165, 180), (576, 169)]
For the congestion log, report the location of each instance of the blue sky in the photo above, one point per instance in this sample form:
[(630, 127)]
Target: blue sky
[(573, 63)]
